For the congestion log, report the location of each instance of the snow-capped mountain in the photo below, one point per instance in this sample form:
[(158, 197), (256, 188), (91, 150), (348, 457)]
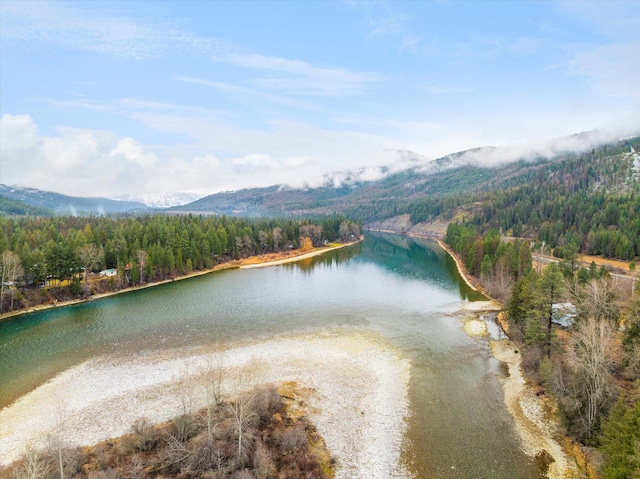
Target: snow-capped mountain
[(163, 200)]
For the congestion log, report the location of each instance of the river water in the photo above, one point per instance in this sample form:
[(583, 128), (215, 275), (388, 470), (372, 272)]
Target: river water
[(405, 289)]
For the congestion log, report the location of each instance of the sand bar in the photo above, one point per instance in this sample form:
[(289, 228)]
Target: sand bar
[(293, 259), (355, 387)]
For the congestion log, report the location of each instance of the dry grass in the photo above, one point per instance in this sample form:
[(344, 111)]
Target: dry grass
[(599, 260)]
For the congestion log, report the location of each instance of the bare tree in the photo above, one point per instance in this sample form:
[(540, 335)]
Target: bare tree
[(34, 465), (244, 416), (277, 238), (213, 375), (90, 256), (56, 437), (499, 280), (136, 469), (314, 232), (15, 272), (344, 232), (244, 408), (177, 450), (187, 391), (597, 299), (10, 270), (263, 240), (141, 256), (590, 359)]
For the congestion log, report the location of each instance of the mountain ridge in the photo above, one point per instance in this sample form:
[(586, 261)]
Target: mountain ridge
[(64, 204)]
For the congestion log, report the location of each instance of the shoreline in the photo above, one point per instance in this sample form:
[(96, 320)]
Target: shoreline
[(234, 264), (537, 430), (293, 259), (461, 270), (353, 384)]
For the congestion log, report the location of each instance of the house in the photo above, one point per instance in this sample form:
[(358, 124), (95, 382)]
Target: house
[(564, 314), (109, 272)]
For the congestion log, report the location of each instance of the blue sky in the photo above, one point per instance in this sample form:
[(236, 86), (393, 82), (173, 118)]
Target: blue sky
[(114, 98)]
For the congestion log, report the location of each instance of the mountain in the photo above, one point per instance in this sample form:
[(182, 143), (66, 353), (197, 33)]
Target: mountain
[(11, 207), (63, 204), (451, 181), (162, 200)]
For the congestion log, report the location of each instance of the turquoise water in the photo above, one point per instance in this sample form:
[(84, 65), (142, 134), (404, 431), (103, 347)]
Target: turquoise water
[(407, 290)]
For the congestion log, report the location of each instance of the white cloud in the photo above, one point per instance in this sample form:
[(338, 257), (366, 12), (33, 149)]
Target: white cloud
[(132, 151), (17, 132), (97, 163), (249, 95), (73, 162), (491, 156), (98, 29), (302, 78)]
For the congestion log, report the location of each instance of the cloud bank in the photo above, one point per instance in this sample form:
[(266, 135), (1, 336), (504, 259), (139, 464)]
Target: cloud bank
[(98, 163)]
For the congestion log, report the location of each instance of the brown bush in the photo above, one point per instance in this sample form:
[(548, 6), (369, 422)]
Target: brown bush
[(186, 448), (293, 438)]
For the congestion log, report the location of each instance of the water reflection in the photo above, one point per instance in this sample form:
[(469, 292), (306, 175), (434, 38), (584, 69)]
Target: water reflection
[(417, 258), (403, 288), (335, 258)]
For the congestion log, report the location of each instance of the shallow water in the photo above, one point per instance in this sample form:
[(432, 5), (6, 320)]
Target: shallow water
[(408, 290)]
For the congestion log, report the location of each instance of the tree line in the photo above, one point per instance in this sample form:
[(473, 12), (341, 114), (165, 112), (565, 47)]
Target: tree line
[(591, 366), (497, 263), (148, 248)]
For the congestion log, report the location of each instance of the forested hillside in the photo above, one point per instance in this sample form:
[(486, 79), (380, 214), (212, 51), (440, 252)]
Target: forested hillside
[(66, 205), (589, 200), (20, 208), (586, 200)]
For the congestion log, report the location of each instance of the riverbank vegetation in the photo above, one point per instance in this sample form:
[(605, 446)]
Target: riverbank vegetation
[(497, 263), (52, 258), (253, 436), (589, 367)]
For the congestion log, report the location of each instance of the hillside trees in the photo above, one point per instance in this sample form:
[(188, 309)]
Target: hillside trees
[(621, 441), (580, 203), (592, 361), (498, 264), (151, 248)]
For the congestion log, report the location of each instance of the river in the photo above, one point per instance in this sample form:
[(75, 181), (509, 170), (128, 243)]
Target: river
[(405, 289)]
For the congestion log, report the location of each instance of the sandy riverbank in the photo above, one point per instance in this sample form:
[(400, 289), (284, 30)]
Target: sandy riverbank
[(249, 265), (251, 262), (537, 431), (354, 387)]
